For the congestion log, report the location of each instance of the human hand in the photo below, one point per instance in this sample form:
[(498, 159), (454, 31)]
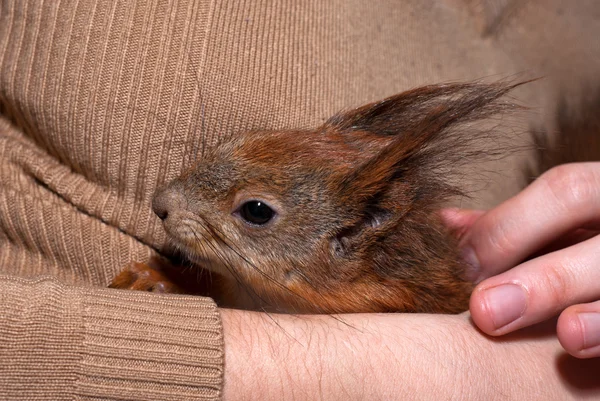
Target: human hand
[(538, 255)]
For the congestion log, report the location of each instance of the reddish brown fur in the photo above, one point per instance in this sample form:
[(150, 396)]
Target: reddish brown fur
[(357, 228)]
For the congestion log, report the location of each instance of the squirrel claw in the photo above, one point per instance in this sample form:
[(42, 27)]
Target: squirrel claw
[(142, 277)]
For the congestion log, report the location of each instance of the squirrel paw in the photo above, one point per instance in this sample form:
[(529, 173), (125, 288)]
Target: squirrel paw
[(142, 277)]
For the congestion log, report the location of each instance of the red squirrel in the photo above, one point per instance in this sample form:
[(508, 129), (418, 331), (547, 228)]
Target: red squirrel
[(343, 218)]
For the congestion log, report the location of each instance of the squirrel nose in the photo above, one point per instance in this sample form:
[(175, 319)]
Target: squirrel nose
[(160, 209), (166, 201)]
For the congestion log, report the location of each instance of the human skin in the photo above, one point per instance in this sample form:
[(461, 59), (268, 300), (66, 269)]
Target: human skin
[(556, 219), (395, 357)]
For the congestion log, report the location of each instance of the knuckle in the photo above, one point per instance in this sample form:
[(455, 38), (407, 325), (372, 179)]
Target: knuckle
[(572, 185), (502, 240), (557, 286)]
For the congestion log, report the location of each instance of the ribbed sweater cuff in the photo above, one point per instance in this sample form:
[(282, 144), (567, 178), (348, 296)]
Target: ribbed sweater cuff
[(62, 342)]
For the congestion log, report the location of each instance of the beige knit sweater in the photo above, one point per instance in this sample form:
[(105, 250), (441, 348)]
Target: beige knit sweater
[(103, 101)]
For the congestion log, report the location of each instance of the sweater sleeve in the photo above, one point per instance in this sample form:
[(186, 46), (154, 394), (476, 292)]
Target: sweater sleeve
[(61, 342)]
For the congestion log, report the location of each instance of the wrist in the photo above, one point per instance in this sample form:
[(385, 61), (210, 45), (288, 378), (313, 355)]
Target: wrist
[(275, 357), (394, 357)]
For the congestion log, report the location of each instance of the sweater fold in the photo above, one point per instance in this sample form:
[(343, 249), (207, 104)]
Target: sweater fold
[(94, 343)]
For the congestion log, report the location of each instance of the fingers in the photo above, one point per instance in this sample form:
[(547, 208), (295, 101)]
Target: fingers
[(578, 330), (460, 220), (560, 201), (558, 218), (538, 289)]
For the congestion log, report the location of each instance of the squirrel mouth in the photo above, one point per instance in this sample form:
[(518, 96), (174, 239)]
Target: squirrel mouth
[(188, 238)]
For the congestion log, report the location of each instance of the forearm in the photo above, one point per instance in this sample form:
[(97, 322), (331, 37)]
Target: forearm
[(385, 357)]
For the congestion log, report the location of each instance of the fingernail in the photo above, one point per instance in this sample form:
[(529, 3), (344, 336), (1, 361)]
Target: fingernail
[(469, 256), (590, 322), (505, 303)]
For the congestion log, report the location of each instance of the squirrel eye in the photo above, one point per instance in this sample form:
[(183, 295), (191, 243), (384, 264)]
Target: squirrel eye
[(256, 212)]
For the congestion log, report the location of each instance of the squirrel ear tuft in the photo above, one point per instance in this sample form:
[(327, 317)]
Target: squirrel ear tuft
[(426, 127), (442, 105), (429, 135)]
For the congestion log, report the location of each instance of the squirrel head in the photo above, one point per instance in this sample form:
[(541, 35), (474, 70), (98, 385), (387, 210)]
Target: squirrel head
[(338, 219)]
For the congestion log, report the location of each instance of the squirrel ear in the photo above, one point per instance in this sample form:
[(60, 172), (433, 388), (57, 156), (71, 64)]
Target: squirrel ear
[(409, 111), (372, 193), (428, 138), (426, 129)]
